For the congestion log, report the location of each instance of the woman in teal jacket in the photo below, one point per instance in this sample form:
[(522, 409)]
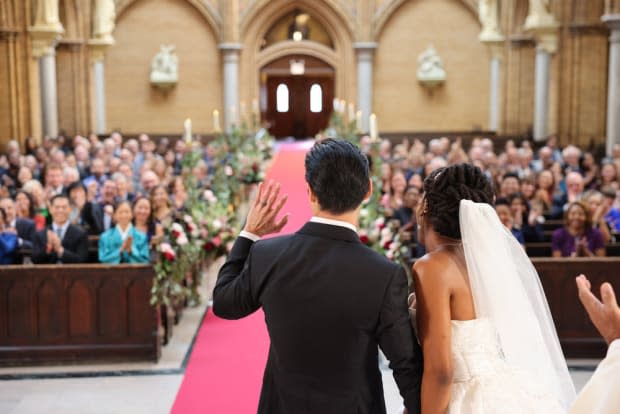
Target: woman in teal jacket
[(123, 243)]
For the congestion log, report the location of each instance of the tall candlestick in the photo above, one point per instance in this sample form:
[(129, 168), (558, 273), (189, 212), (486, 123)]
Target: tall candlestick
[(358, 120), (351, 112), (187, 126), (216, 121), (255, 106), (374, 135)]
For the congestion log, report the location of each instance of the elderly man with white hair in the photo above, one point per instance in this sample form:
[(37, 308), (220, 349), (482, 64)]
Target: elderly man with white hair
[(571, 155), (574, 191)]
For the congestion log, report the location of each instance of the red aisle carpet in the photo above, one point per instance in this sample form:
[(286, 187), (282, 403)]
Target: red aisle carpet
[(225, 371)]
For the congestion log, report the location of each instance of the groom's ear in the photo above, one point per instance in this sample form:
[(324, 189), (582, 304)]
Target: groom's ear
[(311, 195), (370, 190)]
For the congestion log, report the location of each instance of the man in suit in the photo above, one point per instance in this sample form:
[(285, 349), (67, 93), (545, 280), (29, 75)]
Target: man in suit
[(24, 228), (62, 242), (329, 301), (600, 394)]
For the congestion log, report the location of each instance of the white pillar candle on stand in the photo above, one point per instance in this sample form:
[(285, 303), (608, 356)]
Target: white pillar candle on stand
[(187, 126), (255, 106), (216, 121), (374, 133), (358, 120), (351, 112)]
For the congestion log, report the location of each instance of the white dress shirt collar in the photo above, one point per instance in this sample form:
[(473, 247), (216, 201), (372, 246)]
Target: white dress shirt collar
[(63, 229), (125, 233), (332, 222)]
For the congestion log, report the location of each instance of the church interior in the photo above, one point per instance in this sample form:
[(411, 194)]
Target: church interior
[(516, 87)]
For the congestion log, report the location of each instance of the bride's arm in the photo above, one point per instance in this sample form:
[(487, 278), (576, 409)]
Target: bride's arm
[(433, 317)]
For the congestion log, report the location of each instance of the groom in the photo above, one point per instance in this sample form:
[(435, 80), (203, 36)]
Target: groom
[(328, 299)]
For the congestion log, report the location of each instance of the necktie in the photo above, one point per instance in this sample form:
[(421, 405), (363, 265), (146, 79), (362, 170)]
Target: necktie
[(59, 233)]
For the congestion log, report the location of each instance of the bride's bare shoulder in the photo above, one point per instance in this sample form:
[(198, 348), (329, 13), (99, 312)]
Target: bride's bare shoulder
[(435, 266)]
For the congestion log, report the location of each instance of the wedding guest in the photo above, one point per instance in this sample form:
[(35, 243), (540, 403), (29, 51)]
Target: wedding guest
[(527, 219), (123, 243), (8, 241), (143, 219), (393, 199), (23, 227), (160, 201), (123, 192), (42, 215), (405, 213), (577, 238), (597, 210), (590, 169), (574, 191), (502, 208), (571, 156), (509, 185), (98, 176), (545, 188), (545, 159), (608, 175), (24, 176), (86, 214), (148, 181), (62, 242), (179, 194), (54, 180), (612, 214), (24, 206), (599, 395)]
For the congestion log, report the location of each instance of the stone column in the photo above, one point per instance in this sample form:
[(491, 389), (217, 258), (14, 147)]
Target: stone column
[(230, 59), (97, 57), (49, 96), (546, 46), (613, 81), (496, 50), (365, 54)]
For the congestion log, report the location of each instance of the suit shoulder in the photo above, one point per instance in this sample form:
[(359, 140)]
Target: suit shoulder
[(274, 243), (77, 231)]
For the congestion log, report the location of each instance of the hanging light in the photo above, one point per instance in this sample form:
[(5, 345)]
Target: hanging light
[(297, 67)]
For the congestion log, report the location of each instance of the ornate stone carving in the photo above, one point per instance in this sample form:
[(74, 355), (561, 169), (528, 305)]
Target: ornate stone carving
[(103, 21), (164, 67), (47, 16), (539, 15), (47, 28), (487, 13), (431, 72)]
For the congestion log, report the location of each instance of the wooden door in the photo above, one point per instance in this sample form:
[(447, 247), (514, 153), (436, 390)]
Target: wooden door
[(289, 110)]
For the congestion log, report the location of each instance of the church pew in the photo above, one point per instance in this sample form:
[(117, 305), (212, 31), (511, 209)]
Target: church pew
[(544, 249), (578, 336), (77, 313)]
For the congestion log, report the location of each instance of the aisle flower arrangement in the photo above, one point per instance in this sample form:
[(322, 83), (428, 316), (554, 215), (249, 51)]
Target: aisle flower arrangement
[(206, 228)]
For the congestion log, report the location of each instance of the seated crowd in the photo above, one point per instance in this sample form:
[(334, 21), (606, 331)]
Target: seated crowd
[(57, 197), (563, 198)]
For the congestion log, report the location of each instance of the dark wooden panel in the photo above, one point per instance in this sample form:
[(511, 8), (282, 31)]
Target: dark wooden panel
[(82, 312), (578, 336)]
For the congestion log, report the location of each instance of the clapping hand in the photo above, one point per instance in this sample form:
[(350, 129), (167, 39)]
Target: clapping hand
[(263, 211), (604, 315), (126, 247)]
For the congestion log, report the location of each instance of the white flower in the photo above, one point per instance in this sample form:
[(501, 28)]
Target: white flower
[(217, 224), (166, 247), (209, 196), (188, 218), (364, 212), (386, 233), (177, 227), (182, 240), (228, 170)]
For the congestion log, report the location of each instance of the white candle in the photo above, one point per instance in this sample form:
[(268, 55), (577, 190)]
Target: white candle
[(351, 114), (255, 106), (242, 109), (216, 121), (374, 135), (336, 104), (358, 120), (187, 126)]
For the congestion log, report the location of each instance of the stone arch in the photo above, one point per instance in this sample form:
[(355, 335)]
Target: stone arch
[(71, 19), (265, 13), (391, 7), (210, 14)]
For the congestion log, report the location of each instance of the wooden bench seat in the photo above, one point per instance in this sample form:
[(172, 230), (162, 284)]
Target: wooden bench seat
[(544, 249), (77, 313)]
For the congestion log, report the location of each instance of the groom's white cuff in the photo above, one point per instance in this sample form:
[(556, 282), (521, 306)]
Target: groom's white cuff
[(249, 235)]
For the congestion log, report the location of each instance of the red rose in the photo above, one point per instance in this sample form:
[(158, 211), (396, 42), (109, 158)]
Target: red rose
[(387, 244), (364, 239), (169, 256), (217, 241), (381, 226), (175, 234), (209, 246)]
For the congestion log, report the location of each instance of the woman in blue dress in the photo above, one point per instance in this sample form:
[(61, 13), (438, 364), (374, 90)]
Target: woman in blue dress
[(123, 243), (8, 240)]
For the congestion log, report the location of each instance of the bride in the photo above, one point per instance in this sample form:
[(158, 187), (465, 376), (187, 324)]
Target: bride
[(488, 339)]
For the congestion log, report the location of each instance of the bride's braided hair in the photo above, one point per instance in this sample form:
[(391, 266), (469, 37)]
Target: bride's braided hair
[(444, 189)]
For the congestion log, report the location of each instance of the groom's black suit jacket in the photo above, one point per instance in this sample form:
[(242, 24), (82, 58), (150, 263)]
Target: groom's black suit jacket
[(328, 302)]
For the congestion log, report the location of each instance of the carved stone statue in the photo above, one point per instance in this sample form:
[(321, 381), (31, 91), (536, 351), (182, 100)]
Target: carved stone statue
[(47, 15), (430, 68), (164, 67), (487, 13), (104, 20), (539, 15)]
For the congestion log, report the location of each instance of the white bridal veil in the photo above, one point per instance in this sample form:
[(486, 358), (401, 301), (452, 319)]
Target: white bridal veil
[(506, 289)]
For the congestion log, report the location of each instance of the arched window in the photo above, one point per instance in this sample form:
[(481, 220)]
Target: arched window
[(282, 98), (316, 98)]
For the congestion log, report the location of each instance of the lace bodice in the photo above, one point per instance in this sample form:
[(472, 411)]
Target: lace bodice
[(475, 349)]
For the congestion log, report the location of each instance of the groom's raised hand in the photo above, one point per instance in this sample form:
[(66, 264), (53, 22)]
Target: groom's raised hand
[(605, 315), (264, 210)]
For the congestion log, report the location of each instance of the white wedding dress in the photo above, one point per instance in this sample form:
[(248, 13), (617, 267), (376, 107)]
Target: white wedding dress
[(508, 360), (483, 381)]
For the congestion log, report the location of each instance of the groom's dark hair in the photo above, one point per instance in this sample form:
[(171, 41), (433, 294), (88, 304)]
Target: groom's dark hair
[(444, 189), (337, 173)]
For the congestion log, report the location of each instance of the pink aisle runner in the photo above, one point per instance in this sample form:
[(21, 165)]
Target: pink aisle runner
[(225, 371)]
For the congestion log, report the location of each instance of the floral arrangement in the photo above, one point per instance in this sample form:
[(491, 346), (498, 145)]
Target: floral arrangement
[(206, 229)]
